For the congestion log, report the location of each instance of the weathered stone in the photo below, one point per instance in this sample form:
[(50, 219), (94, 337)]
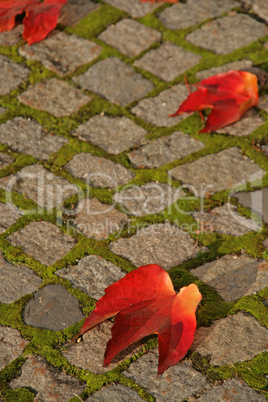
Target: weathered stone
[(217, 172), (9, 214), (114, 135), (225, 220), (134, 7), (49, 383), (5, 160), (43, 240), (123, 36), (27, 136), (11, 345), (184, 15), (55, 97), (92, 275), (16, 281), (164, 150), (230, 340), (2, 110), (39, 184), (175, 384), (11, 38), (15, 75), (150, 198), (99, 172), (61, 53), (52, 307), (226, 34), (257, 201), (263, 102), (156, 110), (234, 276), (259, 8), (248, 123), (168, 61), (234, 390), (97, 220), (162, 244), (115, 392), (243, 65), (115, 80), (74, 10)]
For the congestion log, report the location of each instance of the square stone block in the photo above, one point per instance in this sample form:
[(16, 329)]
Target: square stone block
[(15, 74), (135, 8), (130, 37), (115, 392), (115, 81), (168, 61)]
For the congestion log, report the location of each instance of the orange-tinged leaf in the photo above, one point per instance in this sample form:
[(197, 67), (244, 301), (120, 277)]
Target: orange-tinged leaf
[(229, 95), (145, 303)]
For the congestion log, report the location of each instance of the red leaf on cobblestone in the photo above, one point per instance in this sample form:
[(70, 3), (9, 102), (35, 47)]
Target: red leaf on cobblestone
[(145, 303), (229, 95), (40, 17)]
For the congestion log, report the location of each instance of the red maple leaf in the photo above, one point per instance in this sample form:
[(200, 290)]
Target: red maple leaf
[(229, 95), (40, 17), (145, 303)]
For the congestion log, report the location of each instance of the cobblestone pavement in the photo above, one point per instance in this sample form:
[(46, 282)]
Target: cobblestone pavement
[(96, 180)]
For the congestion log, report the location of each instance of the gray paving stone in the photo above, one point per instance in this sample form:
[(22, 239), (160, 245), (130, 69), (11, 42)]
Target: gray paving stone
[(234, 276), (230, 340), (49, 383), (134, 7), (225, 220), (115, 392), (9, 214), (52, 307), (39, 184), (27, 136), (168, 61), (162, 244), (175, 384), (150, 198), (61, 53), (248, 123), (92, 275), (226, 34), (99, 172), (243, 65), (11, 38), (2, 110), (184, 15), (15, 74), (74, 10), (260, 8), (263, 103), (257, 201), (114, 135), (43, 240), (164, 150), (97, 220), (16, 281), (11, 345), (217, 172), (5, 160), (156, 110), (234, 390), (115, 81), (130, 37), (55, 97)]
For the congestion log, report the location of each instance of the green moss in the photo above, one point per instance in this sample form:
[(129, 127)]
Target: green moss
[(21, 394)]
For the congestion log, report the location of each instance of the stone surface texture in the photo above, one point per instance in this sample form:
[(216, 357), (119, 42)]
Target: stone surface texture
[(52, 307), (115, 392), (5, 160), (55, 97), (243, 65), (27, 136), (92, 275), (115, 81), (230, 340), (257, 201), (43, 240), (114, 135), (162, 244), (61, 53), (168, 61), (11, 345), (9, 214), (248, 123), (134, 7), (11, 38), (74, 10), (164, 150), (217, 172), (15, 74), (234, 276), (123, 37), (99, 172), (97, 220)]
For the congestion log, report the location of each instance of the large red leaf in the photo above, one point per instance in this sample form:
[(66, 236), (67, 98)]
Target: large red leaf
[(229, 95), (145, 303)]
